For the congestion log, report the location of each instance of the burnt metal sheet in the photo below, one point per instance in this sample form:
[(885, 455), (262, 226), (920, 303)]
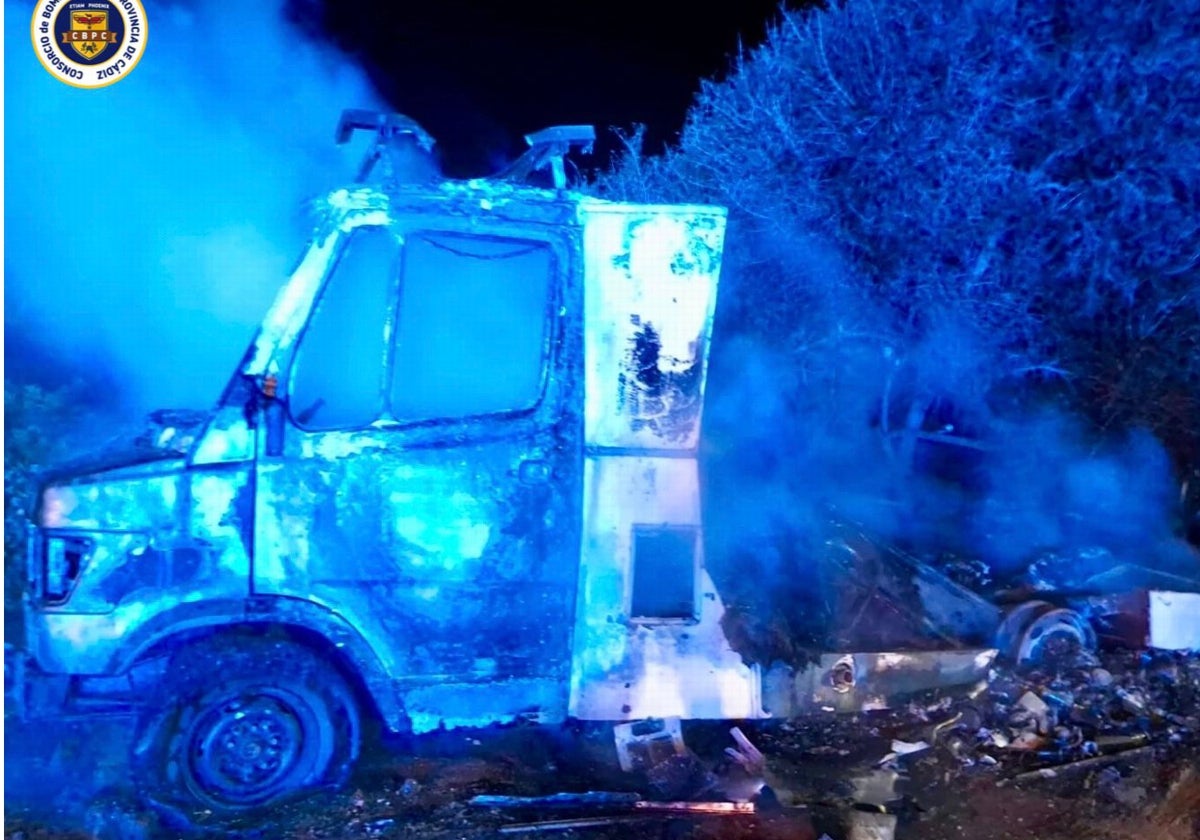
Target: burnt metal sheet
[(442, 557), (651, 286), (932, 602), (857, 682)]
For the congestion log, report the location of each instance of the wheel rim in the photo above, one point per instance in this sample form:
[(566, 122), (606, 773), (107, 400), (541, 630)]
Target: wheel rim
[(1055, 634), (1057, 645), (248, 748)]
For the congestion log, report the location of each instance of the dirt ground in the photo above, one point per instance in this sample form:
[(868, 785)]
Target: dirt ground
[(68, 780)]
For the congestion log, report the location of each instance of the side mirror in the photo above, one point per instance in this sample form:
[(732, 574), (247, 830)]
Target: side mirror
[(264, 410)]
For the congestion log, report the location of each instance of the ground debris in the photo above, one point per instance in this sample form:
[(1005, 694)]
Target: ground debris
[(1112, 763), (557, 801), (1182, 803), (574, 823), (730, 808)]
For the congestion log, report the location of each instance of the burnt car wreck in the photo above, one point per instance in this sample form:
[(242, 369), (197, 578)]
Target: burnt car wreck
[(365, 527)]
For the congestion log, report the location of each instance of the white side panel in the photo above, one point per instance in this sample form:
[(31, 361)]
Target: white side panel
[(625, 670), (650, 291)]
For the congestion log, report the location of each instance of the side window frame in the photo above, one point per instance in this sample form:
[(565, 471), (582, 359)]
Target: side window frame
[(554, 324), (551, 322)]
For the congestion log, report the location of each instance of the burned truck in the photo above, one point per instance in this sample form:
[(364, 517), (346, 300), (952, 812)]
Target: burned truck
[(453, 481)]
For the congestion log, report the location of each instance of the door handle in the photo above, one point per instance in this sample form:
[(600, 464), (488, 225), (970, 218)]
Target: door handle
[(534, 471)]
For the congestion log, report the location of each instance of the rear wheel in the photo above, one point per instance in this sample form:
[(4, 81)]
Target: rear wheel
[(242, 722)]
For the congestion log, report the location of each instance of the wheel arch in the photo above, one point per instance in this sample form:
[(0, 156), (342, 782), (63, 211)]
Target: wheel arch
[(303, 622)]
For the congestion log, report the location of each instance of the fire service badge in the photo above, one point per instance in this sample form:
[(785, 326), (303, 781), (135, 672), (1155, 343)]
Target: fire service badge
[(89, 43)]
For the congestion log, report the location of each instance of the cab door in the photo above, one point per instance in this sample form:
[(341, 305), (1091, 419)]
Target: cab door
[(428, 487)]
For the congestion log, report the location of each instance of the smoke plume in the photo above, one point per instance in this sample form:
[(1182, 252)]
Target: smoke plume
[(150, 223), (822, 407)]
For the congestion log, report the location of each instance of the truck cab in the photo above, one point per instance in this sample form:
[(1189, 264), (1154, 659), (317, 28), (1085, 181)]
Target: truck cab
[(452, 481)]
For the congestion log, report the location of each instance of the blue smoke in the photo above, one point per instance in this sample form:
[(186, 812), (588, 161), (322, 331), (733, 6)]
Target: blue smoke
[(150, 223), (821, 409)]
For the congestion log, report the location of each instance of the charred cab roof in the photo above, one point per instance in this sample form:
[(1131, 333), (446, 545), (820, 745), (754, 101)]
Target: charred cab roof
[(400, 144)]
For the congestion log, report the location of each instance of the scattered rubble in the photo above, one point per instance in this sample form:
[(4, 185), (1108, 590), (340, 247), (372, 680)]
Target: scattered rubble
[(1076, 718), (1115, 734), (646, 744), (867, 825), (558, 801)]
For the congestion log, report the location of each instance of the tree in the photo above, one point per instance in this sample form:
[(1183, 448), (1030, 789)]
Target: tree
[(1021, 178)]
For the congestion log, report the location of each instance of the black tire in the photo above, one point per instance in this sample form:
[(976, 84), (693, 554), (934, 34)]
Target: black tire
[(242, 722)]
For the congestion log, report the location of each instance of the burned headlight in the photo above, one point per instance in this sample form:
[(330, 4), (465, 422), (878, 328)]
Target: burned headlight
[(63, 558)]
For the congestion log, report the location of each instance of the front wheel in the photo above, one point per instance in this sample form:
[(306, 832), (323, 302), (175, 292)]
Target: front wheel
[(242, 722)]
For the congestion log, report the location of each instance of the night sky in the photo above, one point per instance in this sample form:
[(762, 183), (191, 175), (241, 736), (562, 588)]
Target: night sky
[(478, 75)]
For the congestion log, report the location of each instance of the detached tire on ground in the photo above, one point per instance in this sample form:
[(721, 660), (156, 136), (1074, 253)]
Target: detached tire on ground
[(243, 722)]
